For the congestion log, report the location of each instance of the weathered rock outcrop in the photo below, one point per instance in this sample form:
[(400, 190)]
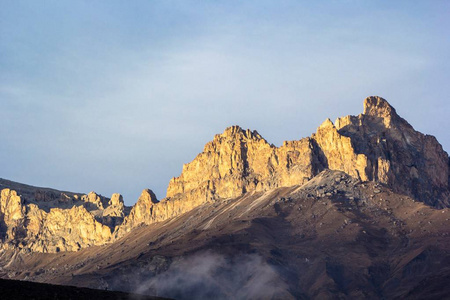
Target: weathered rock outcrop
[(377, 145), (240, 160), (141, 212), (393, 153), (12, 213), (63, 230), (93, 201), (46, 220)]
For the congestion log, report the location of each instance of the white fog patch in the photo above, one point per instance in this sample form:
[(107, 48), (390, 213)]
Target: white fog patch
[(212, 276)]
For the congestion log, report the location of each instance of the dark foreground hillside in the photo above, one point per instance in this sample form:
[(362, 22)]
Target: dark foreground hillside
[(17, 290)]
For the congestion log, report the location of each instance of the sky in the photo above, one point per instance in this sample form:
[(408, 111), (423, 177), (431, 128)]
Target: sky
[(115, 96)]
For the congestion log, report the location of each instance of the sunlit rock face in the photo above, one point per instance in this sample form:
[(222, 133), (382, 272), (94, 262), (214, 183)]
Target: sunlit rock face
[(377, 145), (141, 212), (239, 161), (395, 154), (12, 215), (64, 229), (41, 221)]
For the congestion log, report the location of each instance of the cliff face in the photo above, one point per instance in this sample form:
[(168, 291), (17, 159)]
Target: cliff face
[(63, 230), (141, 212), (12, 214), (395, 154), (46, 220), (377, 145), (239, 161)]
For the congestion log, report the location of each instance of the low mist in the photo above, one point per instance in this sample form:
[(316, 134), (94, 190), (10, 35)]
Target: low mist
[(209, 275)]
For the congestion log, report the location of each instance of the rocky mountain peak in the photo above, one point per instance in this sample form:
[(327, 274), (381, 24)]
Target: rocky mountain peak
[(147, 196), (236, 130), (326, 124), (115, 210), (378, 107), (377, 145), (116, 200), (380, 111), (94, 200), (141, 212), (12, 212), (232, 135)]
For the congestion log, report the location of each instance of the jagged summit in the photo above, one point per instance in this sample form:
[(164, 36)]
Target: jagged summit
[(377, 145), (48, 220), (235, 130), (327, 123), (141, 212), (231, 134), (379, 107), (116, 200), (148, 196)]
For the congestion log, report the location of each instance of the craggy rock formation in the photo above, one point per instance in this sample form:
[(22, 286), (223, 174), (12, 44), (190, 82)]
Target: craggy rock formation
[(12, 214), (115, 207), (377, 145), (141, 213), (148, 210), (94, 201), (114, 213), (40, 220), (395, 154), (63, 230), (239, 161)]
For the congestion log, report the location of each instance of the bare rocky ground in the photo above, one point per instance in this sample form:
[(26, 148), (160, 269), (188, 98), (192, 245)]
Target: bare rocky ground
[(334, 237)]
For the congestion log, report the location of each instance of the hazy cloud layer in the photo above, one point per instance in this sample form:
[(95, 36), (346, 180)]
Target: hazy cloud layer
[(209, 275), (114, 96)]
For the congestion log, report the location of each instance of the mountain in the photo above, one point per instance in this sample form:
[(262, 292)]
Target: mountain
[(377, 145), (360, 209)]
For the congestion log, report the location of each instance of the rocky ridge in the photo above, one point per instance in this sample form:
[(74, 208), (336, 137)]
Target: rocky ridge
[(47, 220), (377, 145)]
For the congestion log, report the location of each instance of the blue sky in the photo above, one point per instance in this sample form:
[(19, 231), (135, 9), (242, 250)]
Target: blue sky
[(114, 96)]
